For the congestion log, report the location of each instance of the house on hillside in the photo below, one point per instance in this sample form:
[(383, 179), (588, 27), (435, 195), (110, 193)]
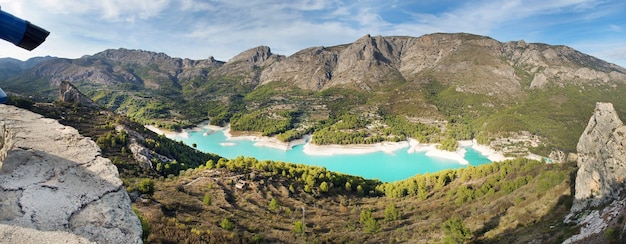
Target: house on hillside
[(240, 184)]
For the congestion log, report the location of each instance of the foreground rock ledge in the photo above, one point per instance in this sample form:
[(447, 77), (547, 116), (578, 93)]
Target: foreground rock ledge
[(54, 183)]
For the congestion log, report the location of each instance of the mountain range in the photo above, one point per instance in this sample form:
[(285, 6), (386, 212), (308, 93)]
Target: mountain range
[(457, 82), (518, 96)]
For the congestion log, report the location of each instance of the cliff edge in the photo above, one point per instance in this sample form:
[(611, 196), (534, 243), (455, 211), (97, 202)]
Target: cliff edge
[(601, 159), (55, 186), (599, 206)]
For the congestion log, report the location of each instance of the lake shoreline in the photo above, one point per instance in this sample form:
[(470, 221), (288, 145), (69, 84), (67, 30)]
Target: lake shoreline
[(411, 145)]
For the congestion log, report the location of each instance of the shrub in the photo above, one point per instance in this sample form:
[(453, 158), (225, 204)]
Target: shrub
[(611, 234), (146, 186), (392, 213), (145, 225), (324, 187), (274, 206), (454, 231), (298, 227), (207, 199), (370, 225), (226, 224)]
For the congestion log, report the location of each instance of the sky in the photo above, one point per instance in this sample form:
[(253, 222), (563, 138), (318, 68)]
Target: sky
[(197, 29)]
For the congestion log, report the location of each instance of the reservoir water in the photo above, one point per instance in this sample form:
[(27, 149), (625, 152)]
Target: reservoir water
[(388, 167)]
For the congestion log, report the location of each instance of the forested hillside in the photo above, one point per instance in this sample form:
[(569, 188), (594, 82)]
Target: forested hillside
[(514, 201), (432, 88)]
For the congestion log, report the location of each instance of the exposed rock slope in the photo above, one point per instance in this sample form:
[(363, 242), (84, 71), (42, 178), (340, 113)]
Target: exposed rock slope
[(70, 94), (601, 159), (475, 64), (54, 183), (136, 67)]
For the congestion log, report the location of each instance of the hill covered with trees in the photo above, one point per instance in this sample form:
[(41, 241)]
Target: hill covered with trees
[(512, 201), (432, 88)]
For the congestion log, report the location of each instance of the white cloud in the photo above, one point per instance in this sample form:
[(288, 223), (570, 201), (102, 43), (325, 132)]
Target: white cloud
[(615, 28), (223, 28), (482, 17), (108, 10)]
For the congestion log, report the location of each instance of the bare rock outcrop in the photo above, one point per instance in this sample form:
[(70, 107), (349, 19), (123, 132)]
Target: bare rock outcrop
[(70, 94), (472, 63), (55, 184), (601, 159)]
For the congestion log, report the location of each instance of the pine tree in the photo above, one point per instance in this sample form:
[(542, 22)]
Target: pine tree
[(392, 213)]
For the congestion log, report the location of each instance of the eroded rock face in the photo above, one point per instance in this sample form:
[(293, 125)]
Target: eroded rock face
[(601, 159), (70, 94), (53, 182)]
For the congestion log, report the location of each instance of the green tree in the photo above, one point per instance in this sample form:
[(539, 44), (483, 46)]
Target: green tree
[(207, 199), (146, 186), (274, 206), (392, 213), (422, 193), (455, 231), (370, 225), (298, 227), (226, 224), (359, 190), (449, 144), (210, 164), (324, 187)]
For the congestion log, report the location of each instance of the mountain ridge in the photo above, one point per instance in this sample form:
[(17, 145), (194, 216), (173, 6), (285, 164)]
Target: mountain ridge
[(465, 80), (391, 52)]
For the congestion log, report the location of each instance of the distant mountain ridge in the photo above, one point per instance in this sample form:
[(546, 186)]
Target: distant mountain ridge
[(367, 62), (11, 66), (458, 77)]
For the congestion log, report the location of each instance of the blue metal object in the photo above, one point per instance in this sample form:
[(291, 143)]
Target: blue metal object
[(3, 96), (21, 32)]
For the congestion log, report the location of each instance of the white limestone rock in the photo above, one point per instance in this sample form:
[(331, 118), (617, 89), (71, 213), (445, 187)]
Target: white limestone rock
[(601, 159), (53, 181)]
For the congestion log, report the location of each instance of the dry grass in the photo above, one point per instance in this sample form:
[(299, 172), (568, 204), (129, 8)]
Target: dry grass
[(178, 214)]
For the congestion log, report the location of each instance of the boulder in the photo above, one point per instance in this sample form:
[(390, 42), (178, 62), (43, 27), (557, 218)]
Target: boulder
[(55, 185)]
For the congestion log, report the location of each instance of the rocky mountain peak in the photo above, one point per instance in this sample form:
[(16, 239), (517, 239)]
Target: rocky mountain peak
[(601, 159), (256, 56), (132, 56)]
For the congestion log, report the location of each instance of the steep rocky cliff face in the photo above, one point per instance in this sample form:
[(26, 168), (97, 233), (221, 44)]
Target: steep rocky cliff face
[(55, 186), (473, 63), (601, 159), (598, 198)]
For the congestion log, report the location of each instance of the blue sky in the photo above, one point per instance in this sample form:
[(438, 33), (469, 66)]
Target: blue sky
[(197, 29)]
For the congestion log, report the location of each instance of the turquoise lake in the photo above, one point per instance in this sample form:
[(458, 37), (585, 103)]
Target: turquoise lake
[(387, 167)]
